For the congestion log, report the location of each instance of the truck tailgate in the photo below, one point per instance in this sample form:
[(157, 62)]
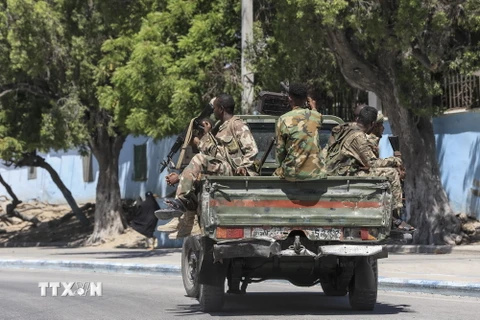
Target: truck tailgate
[(270, 201)]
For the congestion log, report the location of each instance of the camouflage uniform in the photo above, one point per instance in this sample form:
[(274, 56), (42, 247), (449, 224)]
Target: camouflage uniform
[(373, 142), (298, 149), (231, 148), (351, 154)]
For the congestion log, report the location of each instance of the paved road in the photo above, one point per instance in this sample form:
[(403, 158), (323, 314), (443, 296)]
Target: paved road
[(162, 297), (459, 268)]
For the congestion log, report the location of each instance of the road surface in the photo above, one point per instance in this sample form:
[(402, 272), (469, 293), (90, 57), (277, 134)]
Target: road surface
[(135, 296)]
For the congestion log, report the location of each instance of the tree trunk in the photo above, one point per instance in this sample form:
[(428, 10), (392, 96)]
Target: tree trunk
[(33, 160), (427, 203), (109, 220), (39, 161), (7, 187)]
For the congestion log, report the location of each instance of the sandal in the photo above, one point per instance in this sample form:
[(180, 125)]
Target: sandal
[(176, 209), (402, 225)]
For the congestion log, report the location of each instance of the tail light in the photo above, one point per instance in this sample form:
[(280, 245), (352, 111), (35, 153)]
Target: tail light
[(229, 233)]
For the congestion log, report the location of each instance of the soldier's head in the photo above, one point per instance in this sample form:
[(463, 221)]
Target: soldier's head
[(367, 118), (223, 107), (379, 128), (297, 94), (356, 111)]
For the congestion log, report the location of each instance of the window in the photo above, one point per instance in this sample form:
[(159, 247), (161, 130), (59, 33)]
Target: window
[(140, 162), (32, 173), (87, 168)]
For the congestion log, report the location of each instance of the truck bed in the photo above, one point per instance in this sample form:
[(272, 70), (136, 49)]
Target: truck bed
[(335, 208)]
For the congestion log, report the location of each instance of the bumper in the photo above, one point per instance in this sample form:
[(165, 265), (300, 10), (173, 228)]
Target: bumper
[(267, 248)]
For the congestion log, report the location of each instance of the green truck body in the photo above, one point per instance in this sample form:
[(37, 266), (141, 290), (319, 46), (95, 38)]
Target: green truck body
[(327, 231)]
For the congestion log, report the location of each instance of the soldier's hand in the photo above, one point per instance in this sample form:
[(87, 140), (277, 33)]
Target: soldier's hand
[(241, 171), (195, 142), (207, 127), (397, 154), (172, 179), (312, 103)]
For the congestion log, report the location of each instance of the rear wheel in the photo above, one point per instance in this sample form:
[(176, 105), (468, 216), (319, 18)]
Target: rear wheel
[(211, 298), (363, 294), (190, 266)]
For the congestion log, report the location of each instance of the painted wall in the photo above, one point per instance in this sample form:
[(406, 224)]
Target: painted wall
[(69, 167), (458, 150)]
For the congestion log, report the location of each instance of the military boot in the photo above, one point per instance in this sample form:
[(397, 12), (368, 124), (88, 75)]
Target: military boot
[(171, 226)]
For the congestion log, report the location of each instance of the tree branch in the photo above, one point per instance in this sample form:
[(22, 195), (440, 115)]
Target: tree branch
[(25, 87), (424, 60), (358, 72)]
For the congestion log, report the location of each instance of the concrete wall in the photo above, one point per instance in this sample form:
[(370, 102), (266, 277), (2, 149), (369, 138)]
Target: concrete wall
[(69, 167), (458, 151)]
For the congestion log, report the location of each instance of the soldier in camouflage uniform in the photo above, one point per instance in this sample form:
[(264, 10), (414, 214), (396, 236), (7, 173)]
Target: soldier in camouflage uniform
[(374, 137), (231, 151), (351, 154), (298, 149)]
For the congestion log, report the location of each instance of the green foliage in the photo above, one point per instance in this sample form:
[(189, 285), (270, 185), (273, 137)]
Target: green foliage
[(426, 39), (290, 45), (167, 71), (50, 54)]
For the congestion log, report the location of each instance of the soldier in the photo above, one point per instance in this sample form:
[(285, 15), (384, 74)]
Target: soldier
[(351, 154), (376, 134), (298, 149), (231, 151)]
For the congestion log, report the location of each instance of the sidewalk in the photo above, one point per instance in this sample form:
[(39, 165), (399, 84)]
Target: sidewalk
[(459, 269)]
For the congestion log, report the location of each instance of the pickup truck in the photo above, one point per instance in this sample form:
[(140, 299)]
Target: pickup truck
[(326, 232)]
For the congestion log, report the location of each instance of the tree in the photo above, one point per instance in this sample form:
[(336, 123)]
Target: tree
[(50, 53), (399, 50), (33, 117), (123, 67)]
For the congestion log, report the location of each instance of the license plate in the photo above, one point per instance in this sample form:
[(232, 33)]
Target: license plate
[(281, 233), (324, 233), (274, 232)]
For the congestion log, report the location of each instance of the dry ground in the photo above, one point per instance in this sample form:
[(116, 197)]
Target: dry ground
[(67, 233)]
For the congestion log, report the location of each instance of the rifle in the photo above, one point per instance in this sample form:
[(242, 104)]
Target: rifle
[(184, 138), (394, 142), (265, 155)]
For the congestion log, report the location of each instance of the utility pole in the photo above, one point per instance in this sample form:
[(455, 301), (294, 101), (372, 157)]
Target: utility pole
[(247, 74)]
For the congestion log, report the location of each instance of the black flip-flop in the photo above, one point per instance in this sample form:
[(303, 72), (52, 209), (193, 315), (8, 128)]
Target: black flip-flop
[(402, 225), (176, 209)]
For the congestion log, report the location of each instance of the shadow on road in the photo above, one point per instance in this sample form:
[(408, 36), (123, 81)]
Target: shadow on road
[(291, 303)]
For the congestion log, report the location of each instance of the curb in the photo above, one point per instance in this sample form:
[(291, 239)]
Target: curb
[(392, 248), (388, 284), (94, 266), (430, 286), (432, 249)]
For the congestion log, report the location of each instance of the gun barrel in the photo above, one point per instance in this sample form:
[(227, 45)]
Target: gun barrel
[(284, 86)]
